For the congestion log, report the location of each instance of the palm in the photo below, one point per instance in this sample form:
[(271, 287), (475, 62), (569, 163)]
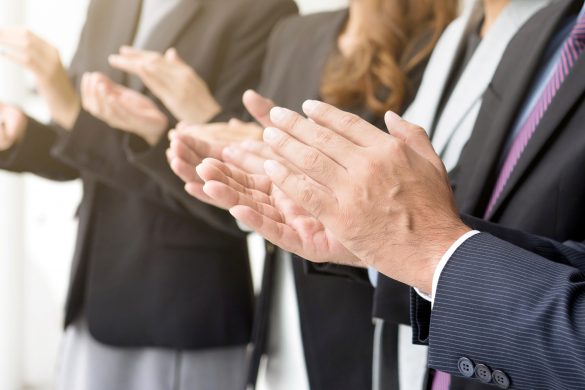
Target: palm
[(316, 242), (267, 210)]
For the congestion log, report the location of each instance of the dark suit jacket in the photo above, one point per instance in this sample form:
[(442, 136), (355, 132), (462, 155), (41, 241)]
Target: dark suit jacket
[(530, 327), (335, 313), (153, 267), (545, 192), (330, 309)]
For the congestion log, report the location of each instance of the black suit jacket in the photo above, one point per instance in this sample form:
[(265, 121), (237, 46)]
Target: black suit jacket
[(545, 192), (152, 266), (330, 309), (335, 313)]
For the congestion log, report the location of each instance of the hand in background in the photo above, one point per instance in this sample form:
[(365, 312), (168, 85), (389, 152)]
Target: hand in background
[(122, 108), (385, 197), (190, 144), (169, 78), (43, 60), (12, 126), (253, 200)]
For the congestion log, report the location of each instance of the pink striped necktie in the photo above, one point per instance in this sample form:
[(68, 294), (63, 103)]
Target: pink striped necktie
[(441, 381), (572, 49)]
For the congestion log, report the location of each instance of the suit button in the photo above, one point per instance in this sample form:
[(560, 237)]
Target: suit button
[(483, 373), (501, 379), (466, 367)]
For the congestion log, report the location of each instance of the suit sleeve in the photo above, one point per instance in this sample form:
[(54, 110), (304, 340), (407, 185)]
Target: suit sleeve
[(33, 154), (241, 70), (517, 309)]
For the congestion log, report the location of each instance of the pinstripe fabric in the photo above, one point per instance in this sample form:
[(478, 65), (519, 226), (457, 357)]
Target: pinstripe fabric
[(513, 311)]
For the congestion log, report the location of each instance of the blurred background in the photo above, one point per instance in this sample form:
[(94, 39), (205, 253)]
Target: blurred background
[(37, 225)]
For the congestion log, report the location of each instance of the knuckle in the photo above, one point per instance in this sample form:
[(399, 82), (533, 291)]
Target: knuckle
[(311, 160), (349, 120), (323, 138)]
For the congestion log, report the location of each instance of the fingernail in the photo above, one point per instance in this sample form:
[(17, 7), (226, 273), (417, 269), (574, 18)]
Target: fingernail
[(271, 134), (309, 106), (277, 114), (272, 167), (392, 117)]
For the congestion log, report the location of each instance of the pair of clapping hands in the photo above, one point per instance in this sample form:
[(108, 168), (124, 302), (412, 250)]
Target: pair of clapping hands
[(331, 188), (166, 75)]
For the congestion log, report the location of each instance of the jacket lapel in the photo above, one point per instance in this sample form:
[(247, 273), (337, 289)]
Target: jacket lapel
[(501, 104), (423, 109), (480, 70), (169, 30), (122, 20), (570, 94)]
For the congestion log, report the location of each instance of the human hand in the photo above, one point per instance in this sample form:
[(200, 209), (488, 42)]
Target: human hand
[(12, 126), (24, 48), (190, 144), (122, 108), (256, 202), (386, 197), (169, 78)]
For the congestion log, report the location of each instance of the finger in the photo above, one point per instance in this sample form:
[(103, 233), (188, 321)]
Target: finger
[(308, 195), (156, 75), (259, 107), (181, 150), (260, 148), (276, 232), (413, 136), (131, 51), (249, 162), (348, 125), (86, 98), (214, 170), (196, 191), (327, 141), (185, 171), (126, 64), (229, 197), (200, 147), (307, 159), (172, 55)]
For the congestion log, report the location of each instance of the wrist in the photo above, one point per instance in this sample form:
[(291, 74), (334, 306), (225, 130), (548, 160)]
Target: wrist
[(204, 113), (153, 135), (438, 246)]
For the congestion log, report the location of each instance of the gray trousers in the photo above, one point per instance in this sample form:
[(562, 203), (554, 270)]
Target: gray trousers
[(88, 365)]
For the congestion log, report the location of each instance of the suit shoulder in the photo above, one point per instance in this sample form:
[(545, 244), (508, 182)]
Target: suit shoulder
[(266, 6), (309, 24)]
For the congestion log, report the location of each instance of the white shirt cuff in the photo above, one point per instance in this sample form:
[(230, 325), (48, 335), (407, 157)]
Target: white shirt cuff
[(444, 260)]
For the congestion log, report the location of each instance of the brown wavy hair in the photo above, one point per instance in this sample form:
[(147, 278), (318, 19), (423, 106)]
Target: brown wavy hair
[(400, 36)]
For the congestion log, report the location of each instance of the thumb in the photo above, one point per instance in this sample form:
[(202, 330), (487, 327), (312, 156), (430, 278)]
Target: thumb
[(172, 55), (414, 137), (259, 107)]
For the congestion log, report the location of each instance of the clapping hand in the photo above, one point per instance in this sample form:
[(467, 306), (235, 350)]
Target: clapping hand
[(23, 47), (122, 108), (169, 78)]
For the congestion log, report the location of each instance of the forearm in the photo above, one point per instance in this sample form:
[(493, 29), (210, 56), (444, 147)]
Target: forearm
[(151, 160), (516, 302), (33, 154)]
